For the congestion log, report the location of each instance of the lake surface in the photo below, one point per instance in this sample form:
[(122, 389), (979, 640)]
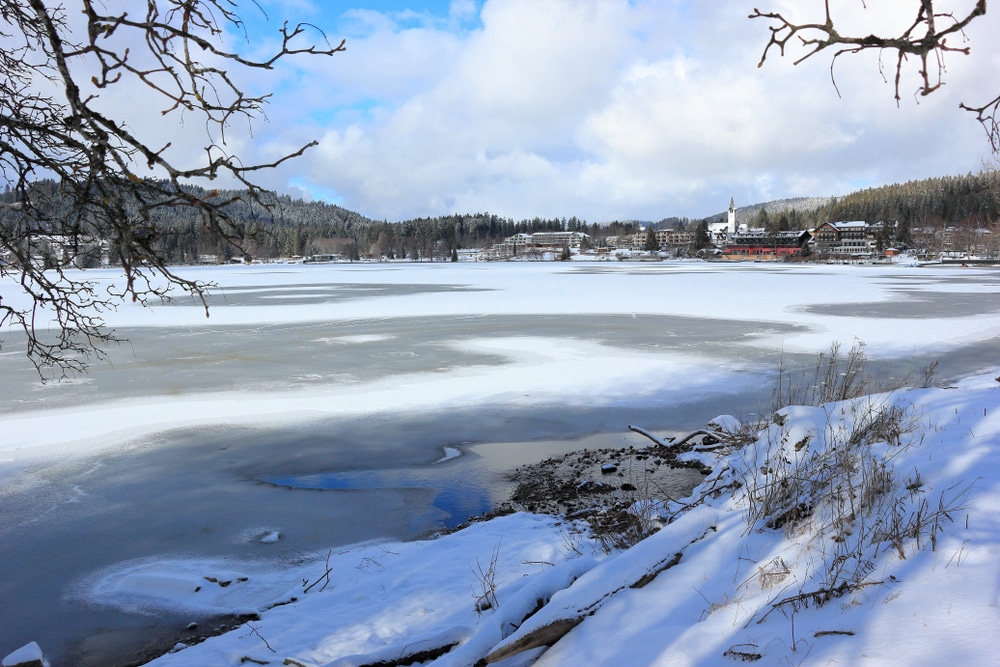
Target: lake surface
[(376, 442)]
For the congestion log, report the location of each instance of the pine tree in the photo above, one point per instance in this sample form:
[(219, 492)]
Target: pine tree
[(651, 244), (701, 237)]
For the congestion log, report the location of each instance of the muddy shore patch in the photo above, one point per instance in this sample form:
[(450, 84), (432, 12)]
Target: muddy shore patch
[(602, 486)]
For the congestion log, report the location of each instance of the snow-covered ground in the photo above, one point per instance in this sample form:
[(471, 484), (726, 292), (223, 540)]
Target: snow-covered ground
[(845, 586), (383, 599)]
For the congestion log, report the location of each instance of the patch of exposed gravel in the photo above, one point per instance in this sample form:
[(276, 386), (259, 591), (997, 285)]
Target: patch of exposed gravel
[(600, 485)]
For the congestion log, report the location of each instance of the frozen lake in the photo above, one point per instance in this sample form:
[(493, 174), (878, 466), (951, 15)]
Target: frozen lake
[(367, 376)]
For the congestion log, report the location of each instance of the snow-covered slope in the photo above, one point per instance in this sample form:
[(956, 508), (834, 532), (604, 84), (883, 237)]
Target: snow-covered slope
[(860, 532)]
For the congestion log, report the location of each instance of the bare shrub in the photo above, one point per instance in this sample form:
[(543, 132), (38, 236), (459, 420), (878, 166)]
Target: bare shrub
[(484, 592), (845, 476), (325, 577), (839, 490), (835, 377), (617, 529), (839, 376), (772, 573)]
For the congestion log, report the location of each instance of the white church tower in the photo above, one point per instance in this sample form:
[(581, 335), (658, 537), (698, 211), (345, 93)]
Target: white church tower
[(731, 227)]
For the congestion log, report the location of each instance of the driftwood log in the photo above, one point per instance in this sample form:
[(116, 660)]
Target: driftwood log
[(563, 621), (714, 436)]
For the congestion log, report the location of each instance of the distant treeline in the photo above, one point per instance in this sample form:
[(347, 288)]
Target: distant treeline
[(289, 227), (314, 228), (285, 227)]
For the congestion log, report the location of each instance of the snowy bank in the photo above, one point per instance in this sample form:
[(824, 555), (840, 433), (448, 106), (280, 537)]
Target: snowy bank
[(859, 532)]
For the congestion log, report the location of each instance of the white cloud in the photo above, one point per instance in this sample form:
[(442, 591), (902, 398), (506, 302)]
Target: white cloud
[(603, 109), (462, 10)]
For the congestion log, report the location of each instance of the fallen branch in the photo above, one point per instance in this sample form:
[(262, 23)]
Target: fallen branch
[(415, 657), (415, 652), (825, 633), (743, 655), (700, 432), (819, 597), (659, 441), (325, 577), (550, 633), (253, 631), (590, 593), (547, 635), (673, 444), (647, 578)]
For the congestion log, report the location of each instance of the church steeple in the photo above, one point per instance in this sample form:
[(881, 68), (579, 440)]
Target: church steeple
[(731, 226)]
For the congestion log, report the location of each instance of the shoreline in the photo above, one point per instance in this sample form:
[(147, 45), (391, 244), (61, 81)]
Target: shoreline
[(575, 486)]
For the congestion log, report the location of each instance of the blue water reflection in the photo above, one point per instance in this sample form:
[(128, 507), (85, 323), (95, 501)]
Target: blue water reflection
[(458, 497)]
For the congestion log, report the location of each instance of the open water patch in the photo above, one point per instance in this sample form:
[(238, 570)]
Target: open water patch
[(912, 304), (458, 497)]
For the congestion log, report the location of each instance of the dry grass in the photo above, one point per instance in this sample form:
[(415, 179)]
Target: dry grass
[(835, 488), (484, 591), (840, 376)]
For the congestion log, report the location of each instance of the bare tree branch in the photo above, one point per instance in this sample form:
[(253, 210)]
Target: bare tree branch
[(69, 169), (987, 117), (926, 39)]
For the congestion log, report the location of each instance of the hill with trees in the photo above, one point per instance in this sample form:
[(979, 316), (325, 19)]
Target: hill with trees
[(280, 226), (269, 226), (970, 201)]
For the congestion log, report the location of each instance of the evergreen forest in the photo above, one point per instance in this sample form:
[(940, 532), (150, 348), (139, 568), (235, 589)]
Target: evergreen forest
[(286, 227)]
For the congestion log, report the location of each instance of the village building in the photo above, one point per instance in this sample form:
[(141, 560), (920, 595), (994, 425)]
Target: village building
[(758, 243), (673, 239), (676, 240), (735, 241), (845, 240), (77, 251), (538, 243), (720, 232)]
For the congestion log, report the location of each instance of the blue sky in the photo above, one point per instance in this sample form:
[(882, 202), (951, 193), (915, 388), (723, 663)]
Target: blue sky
[(600, 109)]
